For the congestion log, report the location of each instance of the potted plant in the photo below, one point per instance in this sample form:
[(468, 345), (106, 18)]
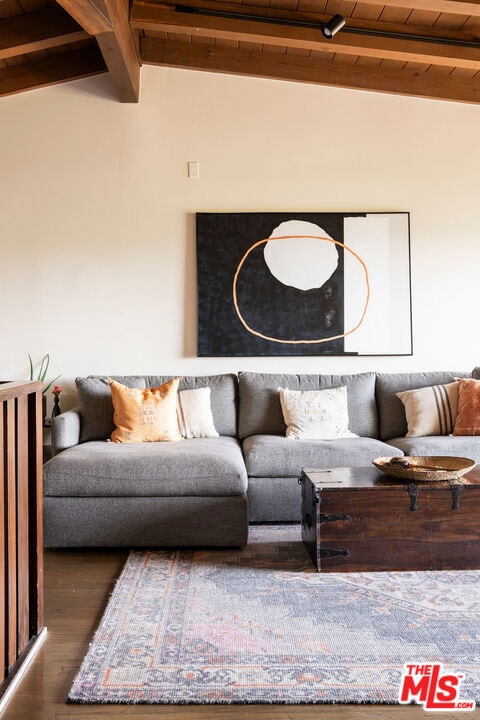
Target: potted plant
[(41, 375)]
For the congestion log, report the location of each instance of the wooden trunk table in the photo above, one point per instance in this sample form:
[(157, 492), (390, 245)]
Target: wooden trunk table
[(358, 519)]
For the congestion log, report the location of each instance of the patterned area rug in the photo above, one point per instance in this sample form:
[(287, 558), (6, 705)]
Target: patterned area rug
[(260, 625)]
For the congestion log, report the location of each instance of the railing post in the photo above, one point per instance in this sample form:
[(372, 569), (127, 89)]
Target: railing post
[(21, 530)]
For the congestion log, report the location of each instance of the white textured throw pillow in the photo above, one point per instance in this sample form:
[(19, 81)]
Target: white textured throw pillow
[(315, 414), (195, 413), (430, 410)]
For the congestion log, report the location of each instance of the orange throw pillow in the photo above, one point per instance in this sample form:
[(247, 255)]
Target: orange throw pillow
[(468, 417), (145, 415)]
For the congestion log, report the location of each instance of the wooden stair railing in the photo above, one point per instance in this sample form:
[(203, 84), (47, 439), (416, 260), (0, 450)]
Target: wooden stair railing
[(21, 531)]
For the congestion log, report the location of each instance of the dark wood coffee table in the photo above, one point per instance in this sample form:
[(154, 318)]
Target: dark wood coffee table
[(358, 519)]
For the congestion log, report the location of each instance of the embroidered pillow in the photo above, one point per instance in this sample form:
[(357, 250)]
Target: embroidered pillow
[(468, 418), (430, 410), (315, 414), (195, 413), (145, 415)]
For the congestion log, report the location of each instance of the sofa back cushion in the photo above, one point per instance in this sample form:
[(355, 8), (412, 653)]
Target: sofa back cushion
[(223, 396), (95, 404), (260, 412), (391, 411), (96, 408)]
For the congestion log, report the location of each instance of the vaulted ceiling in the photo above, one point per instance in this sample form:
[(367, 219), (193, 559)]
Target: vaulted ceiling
[(425, 48)]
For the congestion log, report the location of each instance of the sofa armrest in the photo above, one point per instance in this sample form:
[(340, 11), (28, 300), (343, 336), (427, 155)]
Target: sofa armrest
[(65, 430)]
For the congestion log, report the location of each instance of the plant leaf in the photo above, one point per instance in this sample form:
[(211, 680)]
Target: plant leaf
[(50, 384), (42, 373)]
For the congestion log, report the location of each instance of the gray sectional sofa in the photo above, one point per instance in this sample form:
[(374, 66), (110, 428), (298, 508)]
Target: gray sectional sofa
[(205, 491)]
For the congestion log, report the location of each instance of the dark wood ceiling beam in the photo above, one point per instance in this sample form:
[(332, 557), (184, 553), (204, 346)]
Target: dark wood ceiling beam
[(49, 71), (143, 11), (300, 69), (158, 18), (39, 30), (108, 21)]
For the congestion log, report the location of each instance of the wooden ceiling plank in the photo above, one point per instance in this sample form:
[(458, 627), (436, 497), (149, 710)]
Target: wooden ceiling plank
[(9, 8), (300, 69), (29, 6), (340, 7), (284, 4), (394, 15), (367, 12), (423, 18), (89, 15), (108, 21), (159, 18), (39, 30), (313, 6), (461, 7), (48, 71), (451, 22)]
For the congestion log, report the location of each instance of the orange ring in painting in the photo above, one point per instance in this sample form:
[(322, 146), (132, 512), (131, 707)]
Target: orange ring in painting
[(297, 342)]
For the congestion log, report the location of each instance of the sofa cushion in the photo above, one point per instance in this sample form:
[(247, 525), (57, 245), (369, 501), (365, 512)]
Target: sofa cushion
[(95, 404), (223, 397), (277, 456), (444, 445), (391, 412), (96, 408), (202, 466), (145, 414), (260, 412)]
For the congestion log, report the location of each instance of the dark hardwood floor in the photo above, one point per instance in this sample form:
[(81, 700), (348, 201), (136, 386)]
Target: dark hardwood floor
[(77, 586)]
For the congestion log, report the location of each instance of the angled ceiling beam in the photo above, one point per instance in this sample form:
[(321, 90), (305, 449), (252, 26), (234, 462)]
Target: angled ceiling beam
[(107, 20), (49, 71), (240, 61), (38, 30), (155, 17)]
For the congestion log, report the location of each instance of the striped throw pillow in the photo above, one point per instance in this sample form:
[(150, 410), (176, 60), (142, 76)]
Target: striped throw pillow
[(430, 410)]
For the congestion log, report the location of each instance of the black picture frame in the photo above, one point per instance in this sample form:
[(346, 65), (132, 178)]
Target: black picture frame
[(303, 284)]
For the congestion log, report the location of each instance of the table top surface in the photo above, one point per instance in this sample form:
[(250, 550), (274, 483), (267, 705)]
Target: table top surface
[(371, 477)]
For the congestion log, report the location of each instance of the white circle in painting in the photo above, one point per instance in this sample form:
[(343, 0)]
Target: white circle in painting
[(300, 261)]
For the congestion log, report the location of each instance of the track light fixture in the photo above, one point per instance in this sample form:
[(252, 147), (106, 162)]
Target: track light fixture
[(332, 27)]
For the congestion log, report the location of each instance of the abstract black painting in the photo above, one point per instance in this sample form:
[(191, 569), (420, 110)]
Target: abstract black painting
[(303, 284)]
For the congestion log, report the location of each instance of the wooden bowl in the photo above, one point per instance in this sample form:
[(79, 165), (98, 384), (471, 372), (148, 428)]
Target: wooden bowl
[(434, 468)]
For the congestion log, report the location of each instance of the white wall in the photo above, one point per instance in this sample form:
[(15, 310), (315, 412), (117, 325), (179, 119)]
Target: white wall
[(97, 213)]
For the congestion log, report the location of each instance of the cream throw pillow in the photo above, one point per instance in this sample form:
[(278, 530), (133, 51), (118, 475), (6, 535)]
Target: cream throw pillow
[(195, 413), (430, 410), (145, 415), (315, 414)]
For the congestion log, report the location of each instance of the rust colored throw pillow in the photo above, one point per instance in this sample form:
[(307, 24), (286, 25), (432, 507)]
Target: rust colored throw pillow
[(145, 414), (468, 418)]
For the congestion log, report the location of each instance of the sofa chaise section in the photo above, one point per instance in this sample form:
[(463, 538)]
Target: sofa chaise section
[(186, 493)]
